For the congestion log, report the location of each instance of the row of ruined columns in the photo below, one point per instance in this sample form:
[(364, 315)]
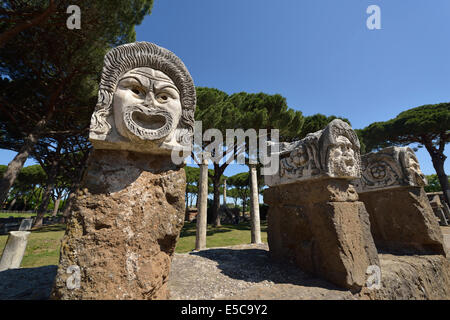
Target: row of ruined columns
[(200, 240)]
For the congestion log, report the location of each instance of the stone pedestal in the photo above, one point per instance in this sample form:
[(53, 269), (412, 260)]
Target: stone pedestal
[(315, 219), (391, 187), (402, 221), (124, 226), (321, 227)]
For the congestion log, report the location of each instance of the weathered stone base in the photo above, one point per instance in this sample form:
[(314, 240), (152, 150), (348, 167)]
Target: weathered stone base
[(124, 227), (402, 221), (412, 278), (321, 227)]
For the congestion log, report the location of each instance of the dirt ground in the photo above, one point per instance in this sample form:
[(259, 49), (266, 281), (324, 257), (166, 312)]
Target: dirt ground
[(244, 272)]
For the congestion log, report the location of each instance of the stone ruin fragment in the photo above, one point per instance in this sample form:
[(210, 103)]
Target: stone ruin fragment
[(315, 219), (391, 187)]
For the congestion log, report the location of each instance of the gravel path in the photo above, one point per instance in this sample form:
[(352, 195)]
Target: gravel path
[(243, 272), (237, 272)]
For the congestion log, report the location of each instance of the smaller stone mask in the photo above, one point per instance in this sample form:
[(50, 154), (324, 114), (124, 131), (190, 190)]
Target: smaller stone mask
[(340, 150), (343, 158)]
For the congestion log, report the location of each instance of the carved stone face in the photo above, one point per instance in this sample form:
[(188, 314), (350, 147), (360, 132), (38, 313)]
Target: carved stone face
[(146, 106), (299, 156), (341, 158)]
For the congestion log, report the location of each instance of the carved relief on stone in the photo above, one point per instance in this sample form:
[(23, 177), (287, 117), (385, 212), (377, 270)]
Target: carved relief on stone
[(388, 168), (331, 152), (146, 101)]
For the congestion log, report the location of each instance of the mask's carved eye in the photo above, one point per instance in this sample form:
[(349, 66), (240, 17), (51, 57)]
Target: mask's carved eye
[(163, 97)]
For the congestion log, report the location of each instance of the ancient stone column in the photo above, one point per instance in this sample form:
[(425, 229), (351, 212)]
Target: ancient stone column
[(56, 207), (315, 219), (225, 192), (391, 187), (127, 217), (254, 206), (14, 250), (200, 236)]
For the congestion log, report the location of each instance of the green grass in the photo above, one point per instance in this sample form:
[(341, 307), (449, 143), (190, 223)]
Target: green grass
[(44, 244), (21, 215), (226, 235)]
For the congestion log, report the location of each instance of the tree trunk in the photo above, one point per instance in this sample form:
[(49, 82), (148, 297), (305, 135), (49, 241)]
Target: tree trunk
[(225, 192), (254, 206), (55, 209), (69, 201), (38, 199), (216, 193), (11, 205), (44, 204), (17, 163), (438, 159), (438, 165), (200, 239), (76, 185), (14, 167), (216, 205), (51, 181)]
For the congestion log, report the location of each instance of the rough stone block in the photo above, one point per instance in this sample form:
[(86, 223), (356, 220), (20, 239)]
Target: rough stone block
[(391, 187), (123, 229), (402, 221), (321, 227)]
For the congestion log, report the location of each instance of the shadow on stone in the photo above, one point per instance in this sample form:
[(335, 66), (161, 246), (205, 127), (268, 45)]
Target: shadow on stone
[(255, 265), (27, 283)]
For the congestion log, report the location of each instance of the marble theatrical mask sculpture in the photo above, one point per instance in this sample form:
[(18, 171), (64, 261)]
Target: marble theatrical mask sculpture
[(333, 152), (146, 101)]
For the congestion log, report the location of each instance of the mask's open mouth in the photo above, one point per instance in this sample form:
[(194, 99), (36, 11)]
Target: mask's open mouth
[(153, 121), (148, 123)]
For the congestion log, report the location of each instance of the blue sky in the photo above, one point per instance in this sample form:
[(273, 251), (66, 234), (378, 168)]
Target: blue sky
[(318, 54)]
